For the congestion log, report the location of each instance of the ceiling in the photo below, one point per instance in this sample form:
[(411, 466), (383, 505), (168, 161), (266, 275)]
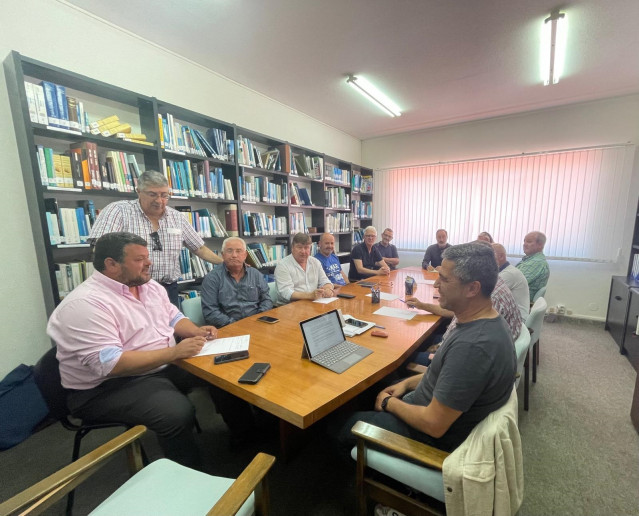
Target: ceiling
[(442, 62)]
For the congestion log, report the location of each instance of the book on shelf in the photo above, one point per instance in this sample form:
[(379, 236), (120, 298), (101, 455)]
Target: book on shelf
[(36, 103), (366, 185), (71, 275), (67, 174), (76, 169), (73, 114), (230, 220), (63, 108), (104, 121), (138, 137), (51, 103)]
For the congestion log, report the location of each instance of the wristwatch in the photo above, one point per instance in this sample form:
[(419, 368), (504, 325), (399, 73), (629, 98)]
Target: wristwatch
[(385, 402)]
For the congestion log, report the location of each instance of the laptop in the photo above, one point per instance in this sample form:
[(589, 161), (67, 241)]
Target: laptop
[(325, 344)]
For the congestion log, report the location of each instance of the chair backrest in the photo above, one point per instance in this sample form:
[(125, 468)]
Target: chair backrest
[(272, 291), (536, 318), (192, 308), (47, 376), (540, 293), (521, 348)]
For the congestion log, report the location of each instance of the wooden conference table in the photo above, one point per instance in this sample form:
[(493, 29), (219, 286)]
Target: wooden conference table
[(300, 392)]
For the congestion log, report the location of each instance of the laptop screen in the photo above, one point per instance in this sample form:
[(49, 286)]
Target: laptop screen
[(322, 332)]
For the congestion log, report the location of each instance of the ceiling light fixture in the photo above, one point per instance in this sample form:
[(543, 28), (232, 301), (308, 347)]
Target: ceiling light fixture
[(374, 95), (553, 47)]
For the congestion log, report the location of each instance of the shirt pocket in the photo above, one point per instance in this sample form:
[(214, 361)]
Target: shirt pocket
[(249, 293)]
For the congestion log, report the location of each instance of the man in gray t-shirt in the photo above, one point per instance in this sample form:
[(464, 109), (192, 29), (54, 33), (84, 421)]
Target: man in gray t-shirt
[(473, 371)]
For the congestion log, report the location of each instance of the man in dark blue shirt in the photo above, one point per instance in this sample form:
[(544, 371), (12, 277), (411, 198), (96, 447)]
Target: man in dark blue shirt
[(232, 290)]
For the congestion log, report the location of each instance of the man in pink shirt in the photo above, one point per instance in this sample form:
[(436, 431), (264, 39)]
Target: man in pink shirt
[(115, 340)]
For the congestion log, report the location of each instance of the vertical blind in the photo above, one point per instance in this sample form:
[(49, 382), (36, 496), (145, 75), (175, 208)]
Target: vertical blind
[(578, 198)]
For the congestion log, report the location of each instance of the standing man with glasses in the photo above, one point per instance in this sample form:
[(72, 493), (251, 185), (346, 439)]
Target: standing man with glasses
[(164, 228)]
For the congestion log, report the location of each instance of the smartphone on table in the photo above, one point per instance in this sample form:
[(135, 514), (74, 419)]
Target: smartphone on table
[(267, 319), (230, 357), (355, 322)]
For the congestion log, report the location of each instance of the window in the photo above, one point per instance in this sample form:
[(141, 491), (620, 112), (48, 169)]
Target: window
[(577, 198)]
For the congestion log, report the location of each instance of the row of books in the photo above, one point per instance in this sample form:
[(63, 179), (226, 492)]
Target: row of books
[(362, 209), (263, 224), (358, 235), (337, 174), (50, 105), (262, 189), (69, 275), (209, 225), (249, 154), (362, 184), (82, 167), (308, 166), (69, 225), (338, 222), (336, 197), (261, 255), (298, 223), (192, 266), (300, 196), (197, 179), (178, 137)]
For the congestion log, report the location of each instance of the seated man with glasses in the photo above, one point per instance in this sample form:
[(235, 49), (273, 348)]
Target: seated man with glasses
[(365, 258), (388, 250), (164, 228)]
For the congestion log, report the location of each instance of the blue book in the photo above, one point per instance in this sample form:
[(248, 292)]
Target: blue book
[(51, 102), (52, 236), (220, 183), (63, 107), (82, 224)]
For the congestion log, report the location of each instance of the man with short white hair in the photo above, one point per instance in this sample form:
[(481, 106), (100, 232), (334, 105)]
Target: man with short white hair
[(233, 291), (366, 260), (299, 275), (514, 280), (534, 265)]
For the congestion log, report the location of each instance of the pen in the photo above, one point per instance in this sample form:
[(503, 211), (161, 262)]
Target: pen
[(378, 326)]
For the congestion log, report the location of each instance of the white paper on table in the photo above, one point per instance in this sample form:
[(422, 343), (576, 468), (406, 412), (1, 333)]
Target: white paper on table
[(422, 281), (385, 296), (396, 312), (225, 345), (325, 300)]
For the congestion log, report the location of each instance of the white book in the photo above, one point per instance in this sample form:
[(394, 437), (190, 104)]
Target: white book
[(31, 102), (228, 190), (42, 165), (41, 106)]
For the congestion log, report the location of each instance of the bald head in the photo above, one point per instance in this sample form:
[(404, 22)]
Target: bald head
[(500, 253), (534, 242), (327, 244)]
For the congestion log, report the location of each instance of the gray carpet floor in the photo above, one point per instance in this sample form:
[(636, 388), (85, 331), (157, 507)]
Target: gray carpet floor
[(580, 449)]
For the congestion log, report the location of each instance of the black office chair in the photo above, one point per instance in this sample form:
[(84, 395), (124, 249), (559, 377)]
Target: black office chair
[(47, 376)]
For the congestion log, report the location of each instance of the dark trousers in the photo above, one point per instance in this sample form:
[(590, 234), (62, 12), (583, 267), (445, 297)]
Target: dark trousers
[(157, 401), (172, 291)]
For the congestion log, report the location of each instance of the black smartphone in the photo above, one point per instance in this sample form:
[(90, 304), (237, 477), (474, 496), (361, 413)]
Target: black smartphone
[(254, 373), (267, 319), (355, 322), (230, 357), (346, 296)]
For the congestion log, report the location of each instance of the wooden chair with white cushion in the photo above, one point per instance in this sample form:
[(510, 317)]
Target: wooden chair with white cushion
[(522, 348), (534, 322), (192, 308), (163, 487), (484, 474)]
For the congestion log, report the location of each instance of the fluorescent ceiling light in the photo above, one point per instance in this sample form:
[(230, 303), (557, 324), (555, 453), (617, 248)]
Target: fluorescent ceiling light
[(553, 47), (374, 95)]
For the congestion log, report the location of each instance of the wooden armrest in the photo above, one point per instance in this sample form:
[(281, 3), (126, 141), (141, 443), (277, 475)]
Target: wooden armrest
[(398, 444), (55, 486), (416, 368), (244, 485)]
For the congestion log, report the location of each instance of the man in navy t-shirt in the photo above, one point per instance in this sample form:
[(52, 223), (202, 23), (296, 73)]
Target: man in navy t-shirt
[(329, 261)]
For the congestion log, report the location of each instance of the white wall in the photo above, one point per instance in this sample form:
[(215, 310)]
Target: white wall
[(59, 34), (581, 287)]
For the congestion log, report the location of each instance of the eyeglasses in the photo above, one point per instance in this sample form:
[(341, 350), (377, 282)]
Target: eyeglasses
[(390, 237), (155, 195), (155, 238), (370, 236)]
